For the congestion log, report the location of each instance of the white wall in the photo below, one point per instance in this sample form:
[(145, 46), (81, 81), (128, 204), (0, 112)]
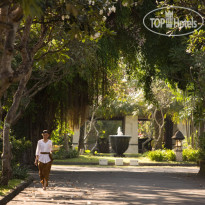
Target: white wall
[(131, 128), (76, 137)]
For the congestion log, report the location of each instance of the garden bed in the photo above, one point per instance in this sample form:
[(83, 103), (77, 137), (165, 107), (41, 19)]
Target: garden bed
[(89, 159), (12, 185)]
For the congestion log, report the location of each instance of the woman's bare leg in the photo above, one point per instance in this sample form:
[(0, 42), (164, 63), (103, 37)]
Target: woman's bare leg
[(44, 184)]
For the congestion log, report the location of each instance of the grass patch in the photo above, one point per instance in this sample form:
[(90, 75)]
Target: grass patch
[(86, 158), (11, 185), (94, 159)]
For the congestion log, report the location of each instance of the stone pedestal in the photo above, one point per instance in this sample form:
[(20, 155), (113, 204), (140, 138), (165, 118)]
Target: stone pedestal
[(103, 162), (133, 162), (179, 157), (131, 128), (119, 162), (76, 137)]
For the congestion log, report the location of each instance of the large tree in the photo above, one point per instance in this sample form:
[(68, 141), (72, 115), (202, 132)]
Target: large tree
[(178, 60), (31, 39)]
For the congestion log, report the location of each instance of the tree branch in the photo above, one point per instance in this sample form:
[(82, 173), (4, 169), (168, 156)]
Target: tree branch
[(160, 126), (41, 40), (92, 121), (32, 92), (24, 39)]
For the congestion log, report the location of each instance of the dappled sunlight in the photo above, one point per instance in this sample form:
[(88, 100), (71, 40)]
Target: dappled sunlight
[(101, 185), (82, 70)]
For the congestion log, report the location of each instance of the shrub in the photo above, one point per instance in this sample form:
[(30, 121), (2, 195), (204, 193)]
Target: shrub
[(72, 154), (20, 172), (63, 154), (162, 155), (169, 155), (155, 155), (19, 147), (190, 155)]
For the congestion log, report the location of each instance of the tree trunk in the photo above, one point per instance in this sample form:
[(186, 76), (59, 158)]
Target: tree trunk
[(187, 131), (202, 161), (11, 22), (192, 132), (66, 142), (97, 138), (1, 110), (202, 128), (168, 132), (159, 120), (81, 145), (6, 156), (202, 168)]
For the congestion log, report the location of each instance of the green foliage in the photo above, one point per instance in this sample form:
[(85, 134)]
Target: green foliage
[(145, 128), (13, 183), (32, 7), (57, 135), (162, 155), (156, 155), (19, 146), (190, 155), (179, 60), (87, 151), (169, 155), (145, 154), (107, 128), (20, 172), (96, 71), (63, 154)]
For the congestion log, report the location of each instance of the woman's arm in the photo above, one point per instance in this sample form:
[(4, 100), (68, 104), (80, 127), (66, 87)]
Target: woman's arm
[(37, 154), (36, 160), (51, 147)]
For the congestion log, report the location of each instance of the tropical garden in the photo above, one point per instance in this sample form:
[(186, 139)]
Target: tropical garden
[(65, 62)]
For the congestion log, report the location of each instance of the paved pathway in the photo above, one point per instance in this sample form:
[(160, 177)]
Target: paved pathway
[(130, 185)]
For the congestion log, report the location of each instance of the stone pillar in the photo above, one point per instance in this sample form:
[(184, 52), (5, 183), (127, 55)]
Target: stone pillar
[(131, 128), (179, 157), (76, 137)]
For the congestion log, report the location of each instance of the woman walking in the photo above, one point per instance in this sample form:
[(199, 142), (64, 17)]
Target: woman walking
[(44, 158)]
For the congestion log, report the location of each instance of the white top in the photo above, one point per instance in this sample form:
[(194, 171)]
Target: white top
[(44, 147)]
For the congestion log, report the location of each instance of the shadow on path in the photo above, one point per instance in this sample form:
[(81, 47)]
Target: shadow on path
[(81, 185)]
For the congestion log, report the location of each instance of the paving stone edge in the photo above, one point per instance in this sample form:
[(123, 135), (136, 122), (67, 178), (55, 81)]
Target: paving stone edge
[(16, 191)]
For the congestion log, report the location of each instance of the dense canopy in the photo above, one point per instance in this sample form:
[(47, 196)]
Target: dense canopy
[(61, 61)]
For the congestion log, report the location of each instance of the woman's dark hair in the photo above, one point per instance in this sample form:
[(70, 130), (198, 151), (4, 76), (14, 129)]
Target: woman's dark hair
[(45, 131)]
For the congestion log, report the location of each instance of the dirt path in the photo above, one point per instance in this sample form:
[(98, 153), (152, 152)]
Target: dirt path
[(131, 185)]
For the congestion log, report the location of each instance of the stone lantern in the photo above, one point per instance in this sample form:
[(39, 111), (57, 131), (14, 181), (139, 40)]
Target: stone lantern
[(178, 137)]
